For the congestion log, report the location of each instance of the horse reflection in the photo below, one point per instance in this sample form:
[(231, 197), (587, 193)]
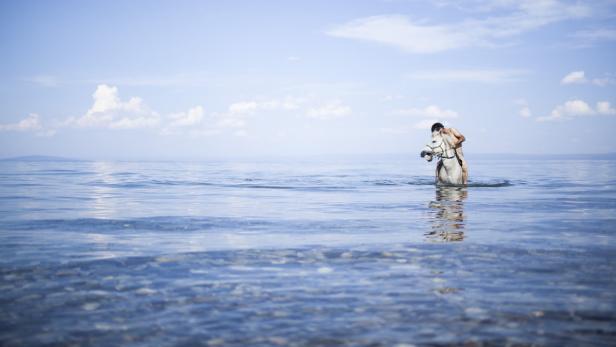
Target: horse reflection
[(448, 214)]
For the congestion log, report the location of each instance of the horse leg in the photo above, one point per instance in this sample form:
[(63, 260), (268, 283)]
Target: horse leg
[(439, 166)]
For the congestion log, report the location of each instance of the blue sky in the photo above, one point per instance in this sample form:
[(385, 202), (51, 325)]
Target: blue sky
[(190, 80)]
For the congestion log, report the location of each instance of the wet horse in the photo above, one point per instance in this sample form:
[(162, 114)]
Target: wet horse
[(449, 170)]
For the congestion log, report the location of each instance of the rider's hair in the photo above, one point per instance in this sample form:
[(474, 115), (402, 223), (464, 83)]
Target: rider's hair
[(436, 127)]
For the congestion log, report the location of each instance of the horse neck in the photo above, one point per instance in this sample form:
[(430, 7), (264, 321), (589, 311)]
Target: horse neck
[(451, 164)]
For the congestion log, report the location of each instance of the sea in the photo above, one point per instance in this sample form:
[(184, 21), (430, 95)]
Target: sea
[(361, 251)]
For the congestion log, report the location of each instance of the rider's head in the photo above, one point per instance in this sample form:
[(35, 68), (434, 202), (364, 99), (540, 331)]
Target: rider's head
[(436, 127)]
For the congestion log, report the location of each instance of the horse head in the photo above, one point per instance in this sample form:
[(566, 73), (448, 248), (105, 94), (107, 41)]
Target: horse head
[(437, 147)]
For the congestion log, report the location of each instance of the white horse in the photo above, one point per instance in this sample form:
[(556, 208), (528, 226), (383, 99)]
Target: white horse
[(448, 169)]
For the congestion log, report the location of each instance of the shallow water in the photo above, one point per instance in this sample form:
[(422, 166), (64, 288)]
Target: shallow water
[(307, 253)]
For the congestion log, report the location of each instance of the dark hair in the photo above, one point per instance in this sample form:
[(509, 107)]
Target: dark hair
[(437, 127)]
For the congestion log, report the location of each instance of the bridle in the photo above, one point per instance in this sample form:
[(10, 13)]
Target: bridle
[(444, 150)]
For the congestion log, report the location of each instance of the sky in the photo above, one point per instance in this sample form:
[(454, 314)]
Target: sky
[(203, 79)]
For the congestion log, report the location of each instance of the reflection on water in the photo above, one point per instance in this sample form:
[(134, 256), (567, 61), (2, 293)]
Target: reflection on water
[(103, 206), (448, 214)]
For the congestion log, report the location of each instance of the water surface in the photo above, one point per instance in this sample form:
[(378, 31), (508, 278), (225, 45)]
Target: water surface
[(307, 253)]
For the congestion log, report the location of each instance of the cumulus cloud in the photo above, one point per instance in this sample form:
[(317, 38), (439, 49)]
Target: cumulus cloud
[(604, 107), (572, 108), (470, 75), (32, 123), (574, 77), (578, 108), (432, 112), (331, 110), (109, 111), (419, 37), (190, 119), (29, 123), (193, 117)]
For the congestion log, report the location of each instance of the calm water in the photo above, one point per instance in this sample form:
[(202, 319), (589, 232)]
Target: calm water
[(307, 253)]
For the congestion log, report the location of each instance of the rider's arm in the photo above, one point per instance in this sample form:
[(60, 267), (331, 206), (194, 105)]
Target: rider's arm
[(459, 138)]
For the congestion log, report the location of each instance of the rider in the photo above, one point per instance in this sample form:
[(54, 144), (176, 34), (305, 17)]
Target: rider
[(458, 138)]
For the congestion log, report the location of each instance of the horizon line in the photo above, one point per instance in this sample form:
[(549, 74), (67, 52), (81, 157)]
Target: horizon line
[(40, 157)]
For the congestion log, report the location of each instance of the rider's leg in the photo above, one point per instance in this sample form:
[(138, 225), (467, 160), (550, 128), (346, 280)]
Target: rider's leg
[(463, 164), (464, 172)]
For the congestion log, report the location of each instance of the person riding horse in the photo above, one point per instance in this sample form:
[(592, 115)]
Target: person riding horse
[(458, 138)]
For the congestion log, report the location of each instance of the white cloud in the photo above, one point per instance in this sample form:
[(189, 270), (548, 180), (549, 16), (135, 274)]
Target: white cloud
[(30, 123), (109, 111), (579, 77), (331, 110), (190, 119), (470, 75), (578, 108), (399, 31), (525, 111), (604, 107), (572, 108), (418, 37), (237, 113), (574, 77), (432, 111), (193, 117)]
